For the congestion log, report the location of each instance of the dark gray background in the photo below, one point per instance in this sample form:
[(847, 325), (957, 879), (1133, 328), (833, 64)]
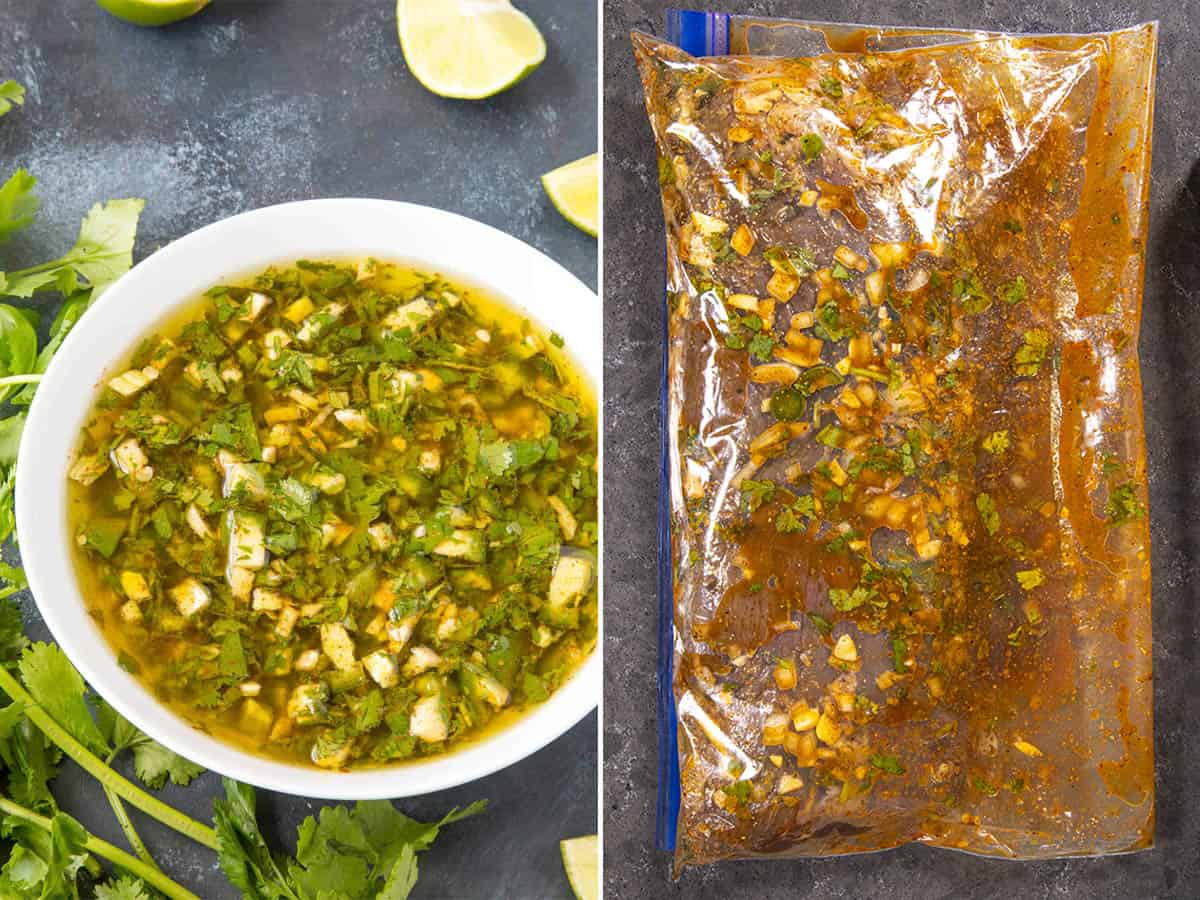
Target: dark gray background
[(1170, 344), (254, 103)]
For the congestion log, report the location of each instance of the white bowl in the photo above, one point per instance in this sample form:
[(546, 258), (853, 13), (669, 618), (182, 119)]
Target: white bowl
[(430, 239)]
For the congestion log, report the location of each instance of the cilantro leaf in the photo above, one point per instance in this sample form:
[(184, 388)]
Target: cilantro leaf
[(43, 863), (1014, 291), (996, 443), (23, 872), (969, 291), (58, 688), (332, 855), (987, 513), (293, 368), (12, 579), (762, 346), (64, 321), (365, 852), (152, 762), (831, 86), (502, 457), (496, 457), (812, 145), (796, 261), (102, 253), (1030, 578), (11, 94), (17, 203), (792, 518), (12, 637), (1123, 505), (18, 346), (242, 852), (885, 763), (233, 428), (124, 888), (1029, 358), (847, 601), (402, 878), (756, 493)]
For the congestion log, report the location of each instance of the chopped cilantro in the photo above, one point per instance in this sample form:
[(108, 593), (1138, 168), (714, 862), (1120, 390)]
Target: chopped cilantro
[(831, 86), (756, 493), (885, 763), (996, 443), (847, 601), (1123, 505), (987, 512), (1030, 578), (812, 145), (1014, 291), (1029, 358), (761, 346)]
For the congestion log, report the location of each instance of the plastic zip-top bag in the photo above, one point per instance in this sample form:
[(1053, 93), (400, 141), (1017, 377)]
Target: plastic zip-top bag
[(906, 575)]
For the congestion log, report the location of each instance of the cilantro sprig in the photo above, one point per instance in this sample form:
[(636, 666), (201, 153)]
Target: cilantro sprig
[(368, 852)]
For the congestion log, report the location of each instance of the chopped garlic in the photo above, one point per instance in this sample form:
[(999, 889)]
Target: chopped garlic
[(191, 597), (195, 521), (566, 521), (411, 315), (1027, 748), (428, 721), (420, 659), (129, 383), (338, 646), (382, 668), (845, 649)]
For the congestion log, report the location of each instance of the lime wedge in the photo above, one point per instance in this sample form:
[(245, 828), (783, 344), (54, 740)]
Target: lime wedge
[(575, 191), (581, 859), (152, 12), (469, 49)]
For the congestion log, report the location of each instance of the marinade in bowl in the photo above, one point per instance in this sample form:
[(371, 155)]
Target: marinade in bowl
[(910, 577), (343, 513)]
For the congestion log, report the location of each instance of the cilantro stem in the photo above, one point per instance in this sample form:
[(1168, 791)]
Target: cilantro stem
[(95, 766), (60, 263), (115, 855), (31, 378), (131, 834)]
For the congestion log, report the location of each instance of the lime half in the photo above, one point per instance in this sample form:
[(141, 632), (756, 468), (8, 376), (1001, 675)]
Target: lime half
[(581, 859), (468, 49), (575, 192), (152, 12)]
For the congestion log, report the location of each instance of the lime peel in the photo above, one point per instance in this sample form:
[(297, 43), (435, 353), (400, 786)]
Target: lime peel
[(581, 859), (152, 13), (574, 189), (468, 49)]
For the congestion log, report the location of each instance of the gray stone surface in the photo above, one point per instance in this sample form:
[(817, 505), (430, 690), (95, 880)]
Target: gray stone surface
[(256, 102), (1170, 345)]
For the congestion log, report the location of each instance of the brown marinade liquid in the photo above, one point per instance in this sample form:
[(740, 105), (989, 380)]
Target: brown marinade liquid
[(910, 544)]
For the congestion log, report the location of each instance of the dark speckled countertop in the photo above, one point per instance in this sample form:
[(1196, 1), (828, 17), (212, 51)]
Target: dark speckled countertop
[(255, 102), (1170, 345)]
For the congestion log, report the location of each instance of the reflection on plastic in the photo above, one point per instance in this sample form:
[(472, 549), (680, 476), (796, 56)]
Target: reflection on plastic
[(909, 558)]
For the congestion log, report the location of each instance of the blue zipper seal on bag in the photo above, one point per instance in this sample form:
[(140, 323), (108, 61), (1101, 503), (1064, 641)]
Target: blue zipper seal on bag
[(700, 34), (668, 728)]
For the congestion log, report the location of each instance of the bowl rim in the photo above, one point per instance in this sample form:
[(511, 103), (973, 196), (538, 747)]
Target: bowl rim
[(51, 434)]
